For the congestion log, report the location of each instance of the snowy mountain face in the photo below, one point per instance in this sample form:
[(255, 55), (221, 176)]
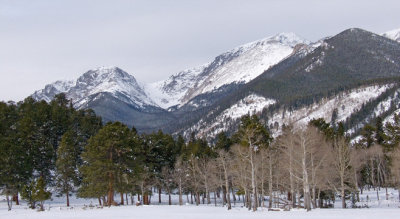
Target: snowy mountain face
[(110, 80), (309, 84), (344, 104), (283, 79), (393, 34), (53, 89), (251, 104), (170, 92), (237, 66)]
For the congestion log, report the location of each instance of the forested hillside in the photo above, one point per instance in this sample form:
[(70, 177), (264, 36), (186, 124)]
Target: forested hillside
[(49, 149)]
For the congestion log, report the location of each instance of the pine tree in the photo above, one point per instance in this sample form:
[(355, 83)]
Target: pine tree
[(368, 135), (60, 115), (107, 158), (392, 133), (180, 144), (34, 128), (13, 168), (27, 194), (39, 193), (35, 192), (223, 142), (380, 134), (66, 165)]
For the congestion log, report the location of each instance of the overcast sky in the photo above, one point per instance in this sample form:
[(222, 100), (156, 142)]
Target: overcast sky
[(42, 41)]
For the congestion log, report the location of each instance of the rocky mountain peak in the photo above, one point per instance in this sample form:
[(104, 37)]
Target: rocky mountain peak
[(112, 80)]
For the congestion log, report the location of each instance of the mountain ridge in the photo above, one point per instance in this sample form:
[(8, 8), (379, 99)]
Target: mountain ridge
[(322, 69), (247, 61)]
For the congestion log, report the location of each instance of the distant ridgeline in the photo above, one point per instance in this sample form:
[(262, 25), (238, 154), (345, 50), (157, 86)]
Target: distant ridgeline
[(291, 78)]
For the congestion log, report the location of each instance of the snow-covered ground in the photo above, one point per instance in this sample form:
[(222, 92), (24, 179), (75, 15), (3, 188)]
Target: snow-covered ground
[(201, 212), (86, 208)]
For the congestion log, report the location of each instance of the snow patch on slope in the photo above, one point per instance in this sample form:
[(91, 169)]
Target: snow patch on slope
[(385, 105), (390, 118), (345, 103), (251, 104), (379, 110)]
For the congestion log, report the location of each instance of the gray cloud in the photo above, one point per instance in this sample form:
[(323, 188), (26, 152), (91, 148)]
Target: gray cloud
[(47, 40)]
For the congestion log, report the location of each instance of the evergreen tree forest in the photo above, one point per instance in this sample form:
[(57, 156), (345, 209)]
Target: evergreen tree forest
[(54, 149)]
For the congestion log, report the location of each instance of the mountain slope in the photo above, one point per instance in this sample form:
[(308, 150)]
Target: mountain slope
[(338, 108), (349, 58), (346, 61), (237, 66), (116, 95)]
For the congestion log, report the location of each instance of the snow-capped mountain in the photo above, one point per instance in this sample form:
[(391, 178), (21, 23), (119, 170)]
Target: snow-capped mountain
[(238, 66), (51, 90), (352, 72), (393, 34), (110, 80), (284, 79)]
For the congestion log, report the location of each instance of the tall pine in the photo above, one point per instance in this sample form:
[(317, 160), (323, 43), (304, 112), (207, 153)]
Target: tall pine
[(66, 165)]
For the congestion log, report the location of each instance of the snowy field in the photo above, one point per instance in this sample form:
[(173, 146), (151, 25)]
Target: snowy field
[(83, 208), (201, 212)]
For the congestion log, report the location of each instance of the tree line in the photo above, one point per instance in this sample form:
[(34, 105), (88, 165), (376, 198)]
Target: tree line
[(52, 145)]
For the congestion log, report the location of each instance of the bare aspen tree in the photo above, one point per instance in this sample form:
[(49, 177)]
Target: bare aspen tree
[(224, 159), (180, 173), (253, 136), (357, 162), (213, 181), (263, 173), (303, 158), (270, 176), (267, 171), (287, 147), (205, 169), (241, 173), (168, 183), (395, 170), (378, 167), (305, 140), (195, 180), (319, 152), (341, 163), (247, 174)]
